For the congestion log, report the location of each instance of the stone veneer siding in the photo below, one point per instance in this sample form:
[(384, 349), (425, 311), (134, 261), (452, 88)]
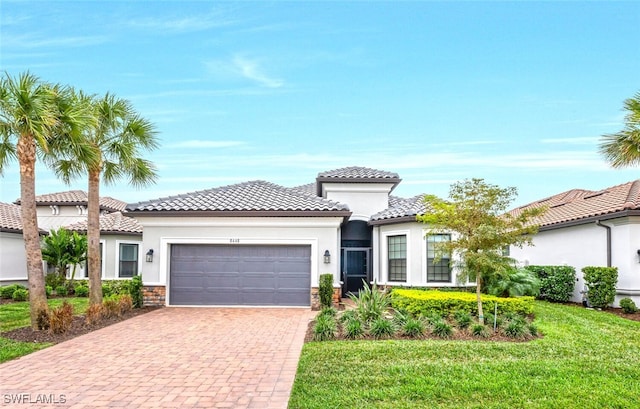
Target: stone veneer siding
[(315, 298), (154, 295)]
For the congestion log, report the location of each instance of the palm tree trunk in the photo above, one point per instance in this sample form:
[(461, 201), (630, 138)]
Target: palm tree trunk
[(93, 238), (26, 150)]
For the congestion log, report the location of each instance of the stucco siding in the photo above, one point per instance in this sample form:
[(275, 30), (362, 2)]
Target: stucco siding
[(364, 199), (586, 245)]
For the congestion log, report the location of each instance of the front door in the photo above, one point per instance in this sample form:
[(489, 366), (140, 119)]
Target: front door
[(355, 267)]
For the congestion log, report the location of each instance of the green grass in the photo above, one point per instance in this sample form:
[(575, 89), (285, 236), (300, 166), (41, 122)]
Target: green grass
[(587, 359), (16, 315)]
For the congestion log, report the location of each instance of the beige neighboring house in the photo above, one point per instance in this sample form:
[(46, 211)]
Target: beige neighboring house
[(590, 228), (13, 265), (120, 236)]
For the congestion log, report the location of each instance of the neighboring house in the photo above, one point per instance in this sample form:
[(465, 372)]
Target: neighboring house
[(120, 236), (258, 243), (13, 264), (120, 250), (590, 228)]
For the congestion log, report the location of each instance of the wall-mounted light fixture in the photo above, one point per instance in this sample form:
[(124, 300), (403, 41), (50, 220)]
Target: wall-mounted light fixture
[(327, 257), (639, 256), (149, 257)]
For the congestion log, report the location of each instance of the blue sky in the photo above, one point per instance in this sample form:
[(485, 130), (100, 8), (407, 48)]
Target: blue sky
[(517, 93)]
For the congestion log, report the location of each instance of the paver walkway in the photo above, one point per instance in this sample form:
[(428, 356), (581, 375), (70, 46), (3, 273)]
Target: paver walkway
[(170, 358)]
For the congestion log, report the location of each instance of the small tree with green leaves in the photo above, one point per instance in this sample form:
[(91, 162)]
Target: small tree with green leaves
[(63, 248), (476, 214)]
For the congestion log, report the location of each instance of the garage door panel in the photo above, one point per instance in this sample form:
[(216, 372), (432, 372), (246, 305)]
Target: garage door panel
[(240, 275)]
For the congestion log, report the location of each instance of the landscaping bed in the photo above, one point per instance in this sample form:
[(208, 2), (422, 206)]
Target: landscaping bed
[(78, 327)]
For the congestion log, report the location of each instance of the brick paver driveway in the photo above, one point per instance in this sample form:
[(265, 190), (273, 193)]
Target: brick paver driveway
[(171, 358)]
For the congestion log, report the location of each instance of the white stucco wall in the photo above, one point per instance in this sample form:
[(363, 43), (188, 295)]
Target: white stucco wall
[(586, 245), (364, 199), (52, 217), (321, 233), (13, 261), (111, 255), (416, 255)]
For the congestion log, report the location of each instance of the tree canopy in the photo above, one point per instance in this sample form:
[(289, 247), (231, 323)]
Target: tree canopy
[(622, 148), (476, 215)]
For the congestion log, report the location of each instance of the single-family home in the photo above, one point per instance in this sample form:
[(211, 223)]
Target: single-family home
[(258, 243), (590, 228)]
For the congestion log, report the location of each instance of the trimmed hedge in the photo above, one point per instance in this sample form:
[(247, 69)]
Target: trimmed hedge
[(556, 282), (325, 290), (601, 285), (423, 303)]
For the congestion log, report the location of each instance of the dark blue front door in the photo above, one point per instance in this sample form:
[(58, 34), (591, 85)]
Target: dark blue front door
[(355, 268)]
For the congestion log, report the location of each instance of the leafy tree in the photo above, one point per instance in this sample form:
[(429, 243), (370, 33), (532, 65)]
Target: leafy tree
[(77, 252), (118, 136), (623, 148), (32, 114), (55, 250), (476, 215)]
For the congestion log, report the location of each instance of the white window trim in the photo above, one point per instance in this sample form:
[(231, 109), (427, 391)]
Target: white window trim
[(384, 256), (117, 258)]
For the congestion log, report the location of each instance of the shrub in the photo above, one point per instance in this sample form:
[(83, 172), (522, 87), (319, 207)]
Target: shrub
[(325, 328), (20, 294), (400, 317), (463, 319), (479, 330), (348, 315), (442, 329), (43, 320), (381, 328), (125, 303), (135, 291), (48, 290), (628, 306), (353, 328), (556, 282), (111, 306), (422, 303), (81, 291), (517, 283), (601, 285), (94, 314), (434, 317), (61, 318), (8, 290), (61, 290), (54, 279), (533, 329), (516, 328), (325, 290), (329, 311), (494, 322), (115, 287), (371, 303), (413, 328)]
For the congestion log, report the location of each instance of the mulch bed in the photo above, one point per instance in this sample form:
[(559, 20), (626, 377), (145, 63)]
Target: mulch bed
[(78, 327), (618, 311)]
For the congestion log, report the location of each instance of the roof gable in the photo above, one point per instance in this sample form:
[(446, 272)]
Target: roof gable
[(400, 209), (77, 197), (113, 223)]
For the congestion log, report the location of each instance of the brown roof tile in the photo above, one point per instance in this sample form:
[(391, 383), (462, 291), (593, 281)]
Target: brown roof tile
[(78, 197), (577, 204), (10, 218), (112, 223)]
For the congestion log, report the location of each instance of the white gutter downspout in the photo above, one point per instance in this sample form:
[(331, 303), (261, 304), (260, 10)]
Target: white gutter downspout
[(608, 241)]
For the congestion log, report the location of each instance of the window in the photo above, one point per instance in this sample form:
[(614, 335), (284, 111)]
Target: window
[(128, 260), (397, 253), (438, 271)]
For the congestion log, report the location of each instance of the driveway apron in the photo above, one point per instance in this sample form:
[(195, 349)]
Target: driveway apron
[(170, 358)]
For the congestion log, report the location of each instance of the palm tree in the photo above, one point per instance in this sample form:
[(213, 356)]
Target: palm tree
[(623, 148), (32, 114), (119, 135)]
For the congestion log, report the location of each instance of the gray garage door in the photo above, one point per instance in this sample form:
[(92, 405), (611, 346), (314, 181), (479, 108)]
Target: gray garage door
[(203, 274)]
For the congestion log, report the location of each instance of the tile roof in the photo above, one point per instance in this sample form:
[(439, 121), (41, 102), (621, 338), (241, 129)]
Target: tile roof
[(112, 223), (10, 218), (357, 172), (255, 196), (400, 208), (577, 204), (78, 197)]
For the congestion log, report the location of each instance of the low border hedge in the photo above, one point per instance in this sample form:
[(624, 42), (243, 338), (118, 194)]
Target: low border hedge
[(421, 302)]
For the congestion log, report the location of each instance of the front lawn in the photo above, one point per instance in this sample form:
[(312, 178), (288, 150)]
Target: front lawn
[(587, 359), (16, 315)]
